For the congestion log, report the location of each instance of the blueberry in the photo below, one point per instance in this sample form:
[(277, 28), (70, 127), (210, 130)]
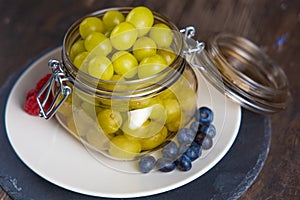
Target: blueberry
[(185, 135), (170, 150), (207, 143), (183, 148), (199, 138), (205, 115), (183, 163), (193, 152), (165, 164), (195, 126), (146, 164), (209, 130)]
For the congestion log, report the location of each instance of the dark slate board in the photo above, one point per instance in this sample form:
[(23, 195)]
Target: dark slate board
[(229, 179)]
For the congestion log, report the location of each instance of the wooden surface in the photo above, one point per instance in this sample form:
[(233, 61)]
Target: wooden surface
[(28, 28)]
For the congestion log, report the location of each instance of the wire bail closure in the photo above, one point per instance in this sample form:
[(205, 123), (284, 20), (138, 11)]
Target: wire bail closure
[(58, 77), (190, 32)]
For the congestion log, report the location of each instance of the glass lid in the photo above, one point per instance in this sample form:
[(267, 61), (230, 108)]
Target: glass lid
[(240, 69)]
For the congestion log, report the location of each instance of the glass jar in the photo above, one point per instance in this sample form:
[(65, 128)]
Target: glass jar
[(128, 117)]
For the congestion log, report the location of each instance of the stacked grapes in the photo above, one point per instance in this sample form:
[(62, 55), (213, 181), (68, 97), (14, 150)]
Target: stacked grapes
[(123, 47), (127, 46)]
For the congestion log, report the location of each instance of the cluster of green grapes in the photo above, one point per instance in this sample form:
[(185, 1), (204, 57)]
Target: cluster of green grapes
[(126, 46), (118, 46), (132, 127)]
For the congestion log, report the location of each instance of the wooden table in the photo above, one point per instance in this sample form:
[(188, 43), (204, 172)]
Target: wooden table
[(30, 27)]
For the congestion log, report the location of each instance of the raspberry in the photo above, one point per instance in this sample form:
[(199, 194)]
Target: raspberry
[(42, 82), (30, 93), (31, 106)]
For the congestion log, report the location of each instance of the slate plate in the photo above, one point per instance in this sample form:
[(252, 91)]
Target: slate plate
[(232, 176)]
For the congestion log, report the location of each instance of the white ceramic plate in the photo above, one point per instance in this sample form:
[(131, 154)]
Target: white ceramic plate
[(51, 152)]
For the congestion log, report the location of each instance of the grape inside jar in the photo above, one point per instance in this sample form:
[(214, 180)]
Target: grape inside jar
[(132, 89)]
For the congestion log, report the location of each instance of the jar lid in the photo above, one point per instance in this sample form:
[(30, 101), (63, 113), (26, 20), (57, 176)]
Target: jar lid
[(240, 69)]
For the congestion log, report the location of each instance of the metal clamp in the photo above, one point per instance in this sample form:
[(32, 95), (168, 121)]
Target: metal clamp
[(44, 95), (188, 31), (192, 45)]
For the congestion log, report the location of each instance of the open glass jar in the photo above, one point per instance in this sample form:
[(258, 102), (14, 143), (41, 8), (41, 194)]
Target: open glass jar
[(129, 116)]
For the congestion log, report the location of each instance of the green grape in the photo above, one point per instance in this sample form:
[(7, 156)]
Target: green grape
[(172, 109), (161, 34), (123, 36), (155, 140), (77, 47), (101, 67), (167, 93), (143, 102), (117, 77), (168, 55), (139, 103), (98, 44), (112, 18), (142, 18), (177, 124), (79, 60), (89, 25), (158, 113), (125, 64), (151, 65), (124, 148), (144, 47), (110, 121)]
